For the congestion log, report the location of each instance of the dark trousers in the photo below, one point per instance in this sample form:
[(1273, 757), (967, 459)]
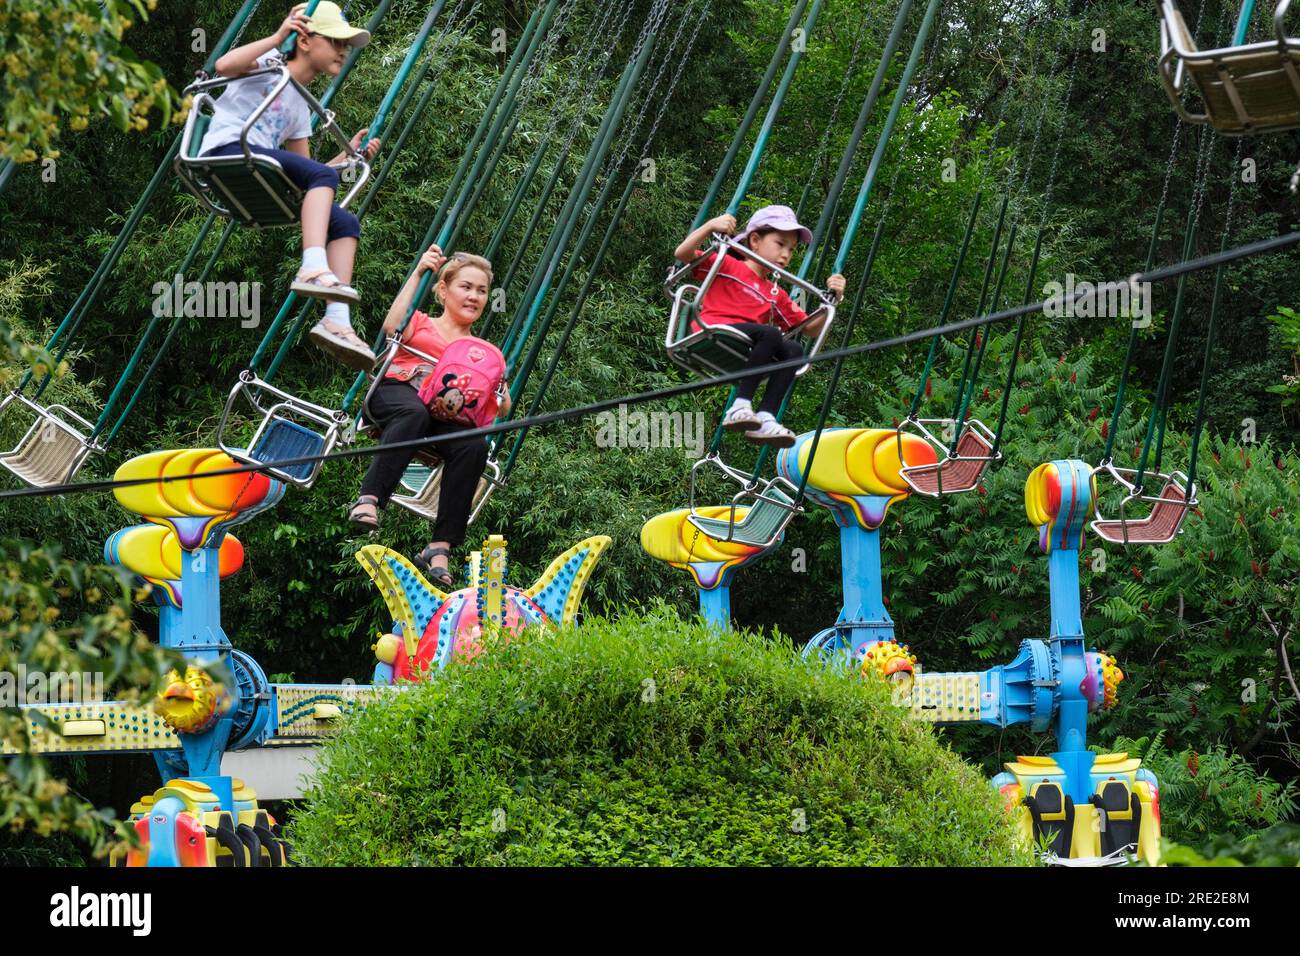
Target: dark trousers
[(307, 174), (397, 409), (769, 346)]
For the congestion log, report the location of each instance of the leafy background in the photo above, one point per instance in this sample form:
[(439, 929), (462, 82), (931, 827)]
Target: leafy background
[(1202, 627)]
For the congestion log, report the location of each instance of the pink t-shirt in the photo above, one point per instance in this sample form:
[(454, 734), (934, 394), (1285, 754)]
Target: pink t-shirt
[(739, 295)]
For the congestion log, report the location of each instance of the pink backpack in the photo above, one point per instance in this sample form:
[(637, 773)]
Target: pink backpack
[(462, 388)]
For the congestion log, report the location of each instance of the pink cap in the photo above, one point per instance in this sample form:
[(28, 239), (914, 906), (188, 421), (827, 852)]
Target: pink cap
[(775, 217)]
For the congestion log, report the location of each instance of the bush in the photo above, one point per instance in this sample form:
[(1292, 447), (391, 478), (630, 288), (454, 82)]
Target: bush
[(1216, 795), (646, 741)]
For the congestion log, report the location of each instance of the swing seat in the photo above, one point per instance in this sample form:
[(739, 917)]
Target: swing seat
[(1247, 89), (709, 350), (425, 485), (1161, 524), (956, 473), (1123, 815), (1052, 812), (288, 427), (762, 525), (53, 449), (250, 188)]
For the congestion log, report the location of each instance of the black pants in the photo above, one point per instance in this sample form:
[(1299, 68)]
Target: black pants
[(769, 346), (397, 409)]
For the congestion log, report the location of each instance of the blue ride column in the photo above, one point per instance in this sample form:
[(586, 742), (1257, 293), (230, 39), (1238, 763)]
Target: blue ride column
[(855, 474), (183, 552), (1058, 500)]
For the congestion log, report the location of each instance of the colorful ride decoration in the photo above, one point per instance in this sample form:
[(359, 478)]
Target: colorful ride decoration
[(856, 473), (1085, 807), (712, 562), (432, 628), (183, 824), (891, 661)]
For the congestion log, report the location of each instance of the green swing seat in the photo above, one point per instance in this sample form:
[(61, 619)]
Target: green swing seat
[(721, 349), (250, 188), (761, 525)]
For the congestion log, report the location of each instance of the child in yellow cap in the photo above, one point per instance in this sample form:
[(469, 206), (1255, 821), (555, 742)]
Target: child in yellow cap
[(329, 232)]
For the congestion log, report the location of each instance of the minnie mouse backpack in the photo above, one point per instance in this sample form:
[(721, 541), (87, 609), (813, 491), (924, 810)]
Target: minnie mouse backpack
[(462, 389)]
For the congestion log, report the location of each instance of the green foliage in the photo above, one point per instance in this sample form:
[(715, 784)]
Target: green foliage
[(645, 741), (1279, 845), (1288, 330), (60, 617), (1211, 794), (67, 57)]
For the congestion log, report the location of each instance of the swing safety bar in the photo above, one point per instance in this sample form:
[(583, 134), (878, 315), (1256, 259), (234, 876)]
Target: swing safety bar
[(1253, 88), (718, 349), (762, 526), (253, 189), (53, 448), (956, 472), (1161, 524), (281, 432)]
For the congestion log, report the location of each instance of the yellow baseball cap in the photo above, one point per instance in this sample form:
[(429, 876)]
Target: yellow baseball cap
[(327, 20)]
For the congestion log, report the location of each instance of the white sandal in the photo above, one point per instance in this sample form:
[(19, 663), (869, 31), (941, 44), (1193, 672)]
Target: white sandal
[(344, 344), (323, 284)]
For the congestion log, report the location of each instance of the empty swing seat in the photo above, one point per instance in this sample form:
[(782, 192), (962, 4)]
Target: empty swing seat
[(52, 449), (761, 525), (283, 439), (288, 428), (1160, 526), (1122, 816), (1247, 89), (956, 473), (425, 485), (1052, 813)]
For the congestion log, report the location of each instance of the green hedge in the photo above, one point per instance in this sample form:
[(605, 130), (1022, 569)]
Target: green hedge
[(646, 741)]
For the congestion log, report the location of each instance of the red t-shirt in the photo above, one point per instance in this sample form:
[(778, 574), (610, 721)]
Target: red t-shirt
[(739, 295), (421, 334)]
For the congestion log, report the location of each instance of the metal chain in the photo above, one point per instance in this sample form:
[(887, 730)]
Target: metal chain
[(672, 83), (819, 157), (532, 76), (1042, 113), (1002, 111), (576, 124), (581, 77), (670, 55), (1056, 151)]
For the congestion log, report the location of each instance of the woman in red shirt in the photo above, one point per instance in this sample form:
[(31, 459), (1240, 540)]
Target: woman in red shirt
[(464, 282), (744, 296)]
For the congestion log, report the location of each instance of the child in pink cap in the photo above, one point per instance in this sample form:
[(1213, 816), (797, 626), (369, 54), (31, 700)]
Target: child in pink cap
[(745, 296)]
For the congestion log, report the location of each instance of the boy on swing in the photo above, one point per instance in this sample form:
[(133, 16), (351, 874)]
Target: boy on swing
[(745, 296), (329, 232)]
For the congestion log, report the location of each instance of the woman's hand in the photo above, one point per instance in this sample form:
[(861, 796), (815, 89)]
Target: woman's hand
[(725, 224), (295, 22), (836, 284), (432, 259), (371, 147)]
